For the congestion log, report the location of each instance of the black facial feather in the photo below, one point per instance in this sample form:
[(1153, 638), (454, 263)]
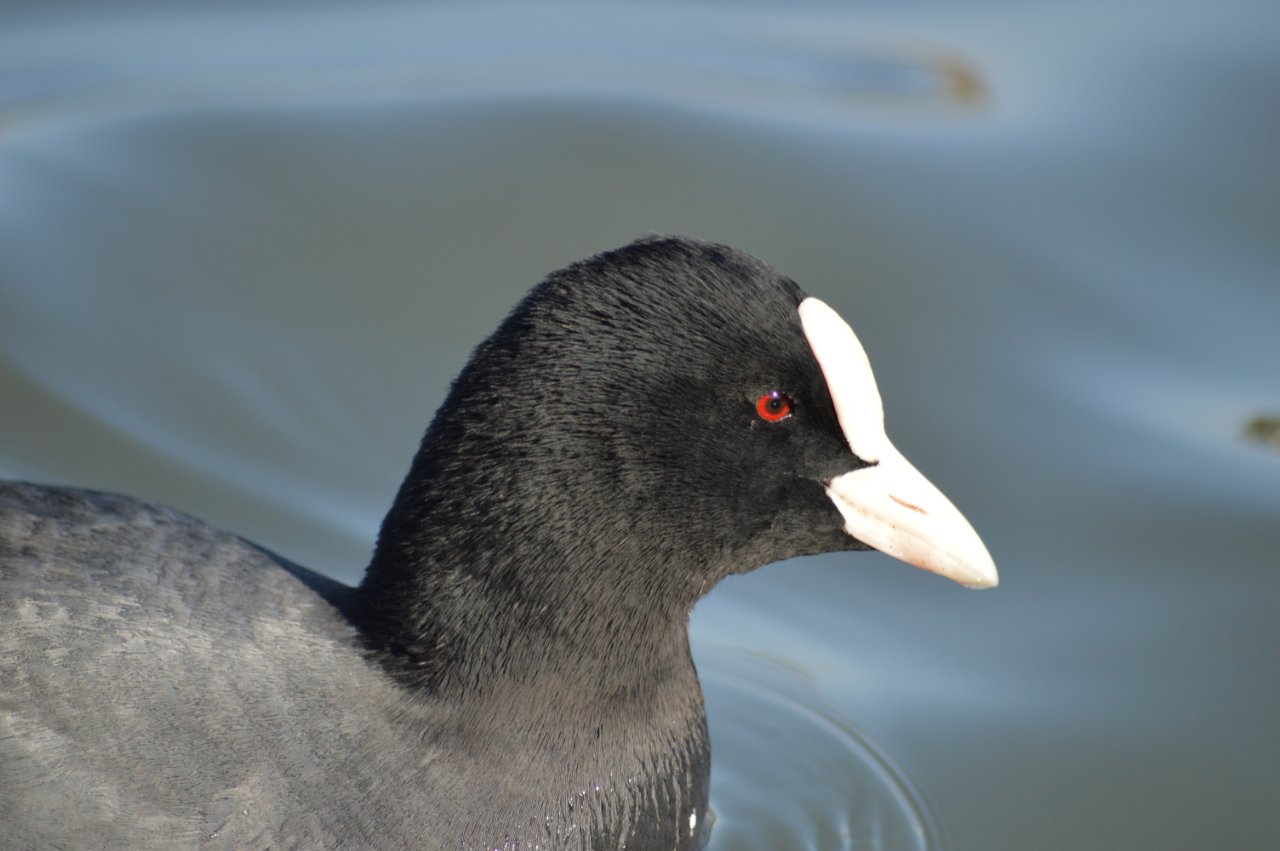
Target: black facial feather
[(627, 383)]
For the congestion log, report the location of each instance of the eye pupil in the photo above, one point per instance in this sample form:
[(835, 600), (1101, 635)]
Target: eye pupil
[(774, 406)]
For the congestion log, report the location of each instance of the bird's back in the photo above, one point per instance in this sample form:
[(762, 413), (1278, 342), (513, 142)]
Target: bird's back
[(154, 672)]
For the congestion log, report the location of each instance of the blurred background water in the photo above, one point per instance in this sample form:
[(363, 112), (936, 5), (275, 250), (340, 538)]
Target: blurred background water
[(244, 247)]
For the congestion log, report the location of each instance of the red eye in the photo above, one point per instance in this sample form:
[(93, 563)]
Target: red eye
[(774, 406)]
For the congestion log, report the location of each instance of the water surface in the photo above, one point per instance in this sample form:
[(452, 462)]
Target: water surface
[(243, 252)]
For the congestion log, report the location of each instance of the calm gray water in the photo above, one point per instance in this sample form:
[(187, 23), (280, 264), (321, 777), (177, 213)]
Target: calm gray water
[(242, 253)]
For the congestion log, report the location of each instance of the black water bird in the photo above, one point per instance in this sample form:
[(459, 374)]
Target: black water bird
[(514, 671)]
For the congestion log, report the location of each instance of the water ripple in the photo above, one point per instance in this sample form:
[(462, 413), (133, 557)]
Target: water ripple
[(751, 64), (790, 772)]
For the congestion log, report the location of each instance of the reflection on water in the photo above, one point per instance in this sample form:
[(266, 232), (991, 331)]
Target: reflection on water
[(241, 255)]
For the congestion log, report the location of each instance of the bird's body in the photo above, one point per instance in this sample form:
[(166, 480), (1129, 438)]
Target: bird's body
[(514, 671)]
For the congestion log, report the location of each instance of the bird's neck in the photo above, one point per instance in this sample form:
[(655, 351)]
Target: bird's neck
[(591, 700), (485, 573)]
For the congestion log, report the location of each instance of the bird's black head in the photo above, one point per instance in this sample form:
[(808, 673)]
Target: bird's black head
[(664, 396), (643, 423)]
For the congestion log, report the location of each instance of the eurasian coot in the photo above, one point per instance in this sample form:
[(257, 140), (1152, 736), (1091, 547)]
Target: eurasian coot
[(514, 671)]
